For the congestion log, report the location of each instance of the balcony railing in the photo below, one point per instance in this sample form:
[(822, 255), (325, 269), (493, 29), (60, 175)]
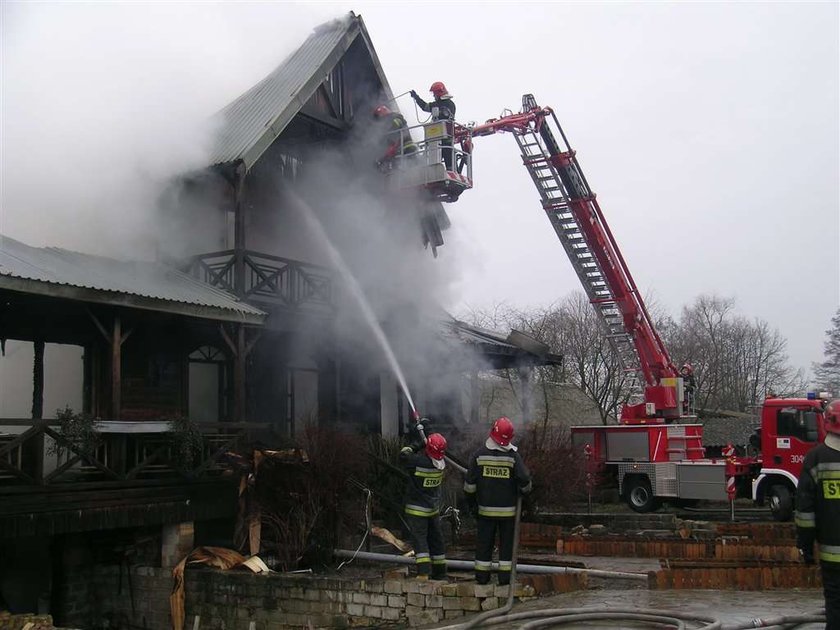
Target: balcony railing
[(282, 281), (35, 453)]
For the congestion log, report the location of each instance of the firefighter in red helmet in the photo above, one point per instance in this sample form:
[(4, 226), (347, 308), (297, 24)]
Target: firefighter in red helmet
[(689, 386), (396, 137), (442, 108), (425, 465), (818, 511), (495, 478)]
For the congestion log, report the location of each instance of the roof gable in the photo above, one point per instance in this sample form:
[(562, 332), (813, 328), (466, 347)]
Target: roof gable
[(249, 125)]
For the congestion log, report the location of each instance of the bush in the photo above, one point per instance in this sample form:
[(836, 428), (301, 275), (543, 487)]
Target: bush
[(557, 470), (79, 430)]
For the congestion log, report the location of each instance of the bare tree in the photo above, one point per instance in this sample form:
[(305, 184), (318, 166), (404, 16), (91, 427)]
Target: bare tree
[(828, 372), (737, 362)]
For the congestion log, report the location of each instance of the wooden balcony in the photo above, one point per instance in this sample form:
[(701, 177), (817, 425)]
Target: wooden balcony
[(265, 278), (135, 475)]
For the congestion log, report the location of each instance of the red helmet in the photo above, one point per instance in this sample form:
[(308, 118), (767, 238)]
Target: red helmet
[(438, 89), (380, 111), (502, 431), (832, 417), (436, 446), (687, 368)]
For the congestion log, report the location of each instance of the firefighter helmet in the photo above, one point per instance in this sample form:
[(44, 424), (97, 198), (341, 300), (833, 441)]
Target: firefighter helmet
[(687, 368), (380, 111), (502, 431), (832, 417), (436, 446), (439, 90)]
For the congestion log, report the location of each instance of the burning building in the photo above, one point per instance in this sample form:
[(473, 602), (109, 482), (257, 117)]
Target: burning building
[(245, 325)]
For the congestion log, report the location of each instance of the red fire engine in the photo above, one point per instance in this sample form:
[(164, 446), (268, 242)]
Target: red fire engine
[(656, 451)]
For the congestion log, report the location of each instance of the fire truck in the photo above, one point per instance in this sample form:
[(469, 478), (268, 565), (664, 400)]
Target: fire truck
[(655, 453)]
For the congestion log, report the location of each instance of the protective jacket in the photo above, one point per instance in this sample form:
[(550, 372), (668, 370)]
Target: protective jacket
[(445, 108), (818, 502), (422, 492), (396, 133), (495, 478)]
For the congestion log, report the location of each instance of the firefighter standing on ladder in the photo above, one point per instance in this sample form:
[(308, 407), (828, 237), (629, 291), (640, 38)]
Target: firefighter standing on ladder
[(818, 512), (495, 479), (422, 504)]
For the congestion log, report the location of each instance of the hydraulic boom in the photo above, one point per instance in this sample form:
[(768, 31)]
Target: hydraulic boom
[(577, 219)]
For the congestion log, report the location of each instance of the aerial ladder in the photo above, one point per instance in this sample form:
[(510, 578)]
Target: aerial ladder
[(576, 217)]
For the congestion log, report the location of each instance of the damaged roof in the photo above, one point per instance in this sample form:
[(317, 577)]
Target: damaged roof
[(249, 125), (514, 348), (146, 285)]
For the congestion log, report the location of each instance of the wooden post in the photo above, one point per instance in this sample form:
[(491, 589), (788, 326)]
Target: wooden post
[(38, 381), (475, 398), (37, 442), (527, 392), (116, 374), (239, 375), (239, 232)]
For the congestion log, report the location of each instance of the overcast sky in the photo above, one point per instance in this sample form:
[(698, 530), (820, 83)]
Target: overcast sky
[(709, 131)]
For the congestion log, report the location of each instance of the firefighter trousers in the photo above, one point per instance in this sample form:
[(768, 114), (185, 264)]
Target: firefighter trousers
[(429, 546), (486, 538), (831, 588)]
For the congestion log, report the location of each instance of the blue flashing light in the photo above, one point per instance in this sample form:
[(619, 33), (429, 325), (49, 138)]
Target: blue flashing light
[(812, 395)]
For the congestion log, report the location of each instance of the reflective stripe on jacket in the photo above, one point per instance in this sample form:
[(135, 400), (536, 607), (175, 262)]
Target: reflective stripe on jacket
[(422, 491), (496, 478)]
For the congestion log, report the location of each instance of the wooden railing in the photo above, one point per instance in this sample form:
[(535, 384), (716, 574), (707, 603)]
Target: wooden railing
[(34, 453), (287, 282)]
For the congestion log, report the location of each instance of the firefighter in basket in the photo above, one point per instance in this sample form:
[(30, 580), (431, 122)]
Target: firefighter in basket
[(396, 138)]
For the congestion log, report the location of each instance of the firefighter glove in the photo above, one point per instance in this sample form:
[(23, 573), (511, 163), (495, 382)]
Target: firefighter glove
[(413, 94), (406, 450)]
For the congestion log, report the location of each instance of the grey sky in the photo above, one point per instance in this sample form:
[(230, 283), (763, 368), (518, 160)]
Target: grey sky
[(709, 131)]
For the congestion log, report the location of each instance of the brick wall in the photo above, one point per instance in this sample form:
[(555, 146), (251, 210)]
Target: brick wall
[(230, 600)]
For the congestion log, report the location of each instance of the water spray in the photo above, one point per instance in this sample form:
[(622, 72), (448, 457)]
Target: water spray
[(356, 291)]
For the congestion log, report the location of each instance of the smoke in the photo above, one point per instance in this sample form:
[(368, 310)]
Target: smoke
[(104, 103)]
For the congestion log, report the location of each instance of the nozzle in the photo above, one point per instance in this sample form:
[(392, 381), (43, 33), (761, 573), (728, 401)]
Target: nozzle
[(415, 417)]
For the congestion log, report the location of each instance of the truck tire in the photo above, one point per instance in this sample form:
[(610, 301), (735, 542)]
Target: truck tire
[(640, 495), (780, 499)]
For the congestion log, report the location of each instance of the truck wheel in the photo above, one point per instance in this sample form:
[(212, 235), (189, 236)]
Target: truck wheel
[(781, 502), (640, 495)]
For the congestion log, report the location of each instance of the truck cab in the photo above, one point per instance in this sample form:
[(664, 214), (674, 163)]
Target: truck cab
[(790, 427)]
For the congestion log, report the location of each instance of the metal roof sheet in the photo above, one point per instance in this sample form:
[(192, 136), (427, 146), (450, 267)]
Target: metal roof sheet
[(157, 281), (248, 125)]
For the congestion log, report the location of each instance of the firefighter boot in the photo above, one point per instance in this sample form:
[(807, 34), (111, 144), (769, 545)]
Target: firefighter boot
[(439, 570)]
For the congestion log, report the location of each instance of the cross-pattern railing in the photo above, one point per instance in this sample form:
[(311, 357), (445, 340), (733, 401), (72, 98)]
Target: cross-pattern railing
[(28, 458), (290, 283)]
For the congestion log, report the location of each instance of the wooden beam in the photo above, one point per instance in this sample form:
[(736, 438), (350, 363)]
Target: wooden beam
[(99, 325)]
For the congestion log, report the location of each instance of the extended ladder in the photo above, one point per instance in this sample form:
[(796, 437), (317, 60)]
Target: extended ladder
[(540, 153)]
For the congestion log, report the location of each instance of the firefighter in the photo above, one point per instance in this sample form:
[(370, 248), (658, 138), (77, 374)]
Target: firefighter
[(689, 384), (425, 465), (495, 478), (818, 511), (442, 108), (395, 136)]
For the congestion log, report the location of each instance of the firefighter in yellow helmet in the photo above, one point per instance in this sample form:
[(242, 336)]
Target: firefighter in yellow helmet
[(818, 511)]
